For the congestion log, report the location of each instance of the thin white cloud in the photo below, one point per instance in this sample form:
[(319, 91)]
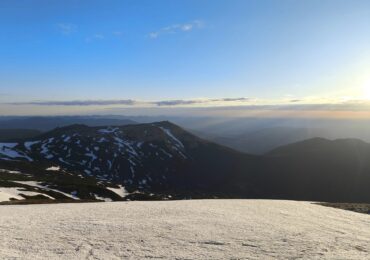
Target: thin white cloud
[(117, 33), (66, 28), (231, 107), (130, 102), (243, 103), (175, 28), (98, 36), (94, 37)]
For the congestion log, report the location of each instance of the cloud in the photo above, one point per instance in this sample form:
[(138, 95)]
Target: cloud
[(232, 99), (153, 35), (67, 28), (231, 107), (242, 103), (130, 102), (79, 103), (117, 33), (199, 101), (362, 105), (175, 28), (177, 102), (96, 36)]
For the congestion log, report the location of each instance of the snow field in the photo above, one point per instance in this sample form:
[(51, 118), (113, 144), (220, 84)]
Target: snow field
[(196, 229)]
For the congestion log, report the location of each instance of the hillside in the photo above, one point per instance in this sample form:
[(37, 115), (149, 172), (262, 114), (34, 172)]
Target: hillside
[(158, 158), (321, 169), (163, 161), (29, 182)]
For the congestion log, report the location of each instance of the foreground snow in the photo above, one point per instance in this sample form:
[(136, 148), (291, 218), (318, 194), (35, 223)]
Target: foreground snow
[(208, 229)]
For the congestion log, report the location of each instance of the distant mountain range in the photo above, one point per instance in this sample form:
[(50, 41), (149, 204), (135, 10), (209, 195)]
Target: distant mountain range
[(264, 140), (249, 135), (162, 161), (10, 135), (47, 123)]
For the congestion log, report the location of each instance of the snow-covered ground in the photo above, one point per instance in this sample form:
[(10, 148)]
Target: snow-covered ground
[(198, 229)]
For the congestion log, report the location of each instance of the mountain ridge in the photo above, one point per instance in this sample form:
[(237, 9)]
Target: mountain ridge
[(163, 159)]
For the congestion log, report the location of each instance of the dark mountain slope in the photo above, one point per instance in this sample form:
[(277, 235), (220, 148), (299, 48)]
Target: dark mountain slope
[(39, 182), (10, 135), (147, 157), (163, 159), (320, 169)]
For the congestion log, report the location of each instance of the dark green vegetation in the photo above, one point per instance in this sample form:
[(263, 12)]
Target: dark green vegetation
[(356, 207), (163, 161)]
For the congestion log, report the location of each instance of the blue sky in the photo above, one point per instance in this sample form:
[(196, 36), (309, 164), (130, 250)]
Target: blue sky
[(267, 52)]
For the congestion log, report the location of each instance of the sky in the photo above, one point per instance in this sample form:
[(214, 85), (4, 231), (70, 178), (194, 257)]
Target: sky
[(117, 57)]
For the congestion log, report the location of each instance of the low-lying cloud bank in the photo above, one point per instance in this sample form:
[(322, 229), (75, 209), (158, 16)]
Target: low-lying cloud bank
[(232, 107), (130, 102), (127, 102), (247, 103)]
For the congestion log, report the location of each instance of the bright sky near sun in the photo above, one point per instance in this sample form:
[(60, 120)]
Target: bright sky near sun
[(192, 52)]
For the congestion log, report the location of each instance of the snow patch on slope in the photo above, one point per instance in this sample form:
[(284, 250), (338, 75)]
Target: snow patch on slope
[(8, 150), (168, 133), (121, 191), (102, 198), (53, 168), (29, 145), (107, 130), (7, 193), (46, 187)]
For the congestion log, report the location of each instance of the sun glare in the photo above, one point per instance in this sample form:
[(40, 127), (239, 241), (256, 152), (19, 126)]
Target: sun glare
[(366, 90)]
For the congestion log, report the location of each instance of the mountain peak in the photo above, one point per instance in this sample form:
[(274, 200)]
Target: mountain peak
[(162, 158)]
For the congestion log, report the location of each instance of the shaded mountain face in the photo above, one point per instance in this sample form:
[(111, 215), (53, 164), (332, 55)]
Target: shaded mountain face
[(163, 159), (42, 182), (147, 157), (320, 169)]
